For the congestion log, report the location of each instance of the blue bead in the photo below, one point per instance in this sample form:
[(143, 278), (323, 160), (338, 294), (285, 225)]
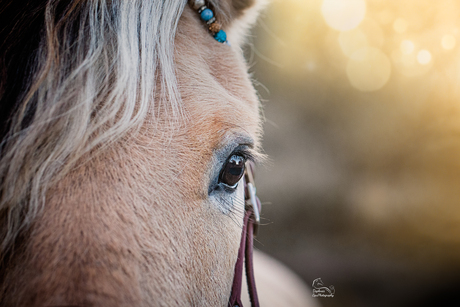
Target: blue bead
[(206, 14), (221, 36)]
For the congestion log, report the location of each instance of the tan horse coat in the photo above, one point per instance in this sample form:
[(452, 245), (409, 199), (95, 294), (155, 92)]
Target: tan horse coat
[(134, 225)]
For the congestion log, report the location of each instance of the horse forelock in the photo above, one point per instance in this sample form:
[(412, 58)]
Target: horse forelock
[(94, 75), (118, 72)]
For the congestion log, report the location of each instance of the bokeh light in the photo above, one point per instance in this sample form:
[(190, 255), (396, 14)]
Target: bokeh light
[(407, 46), (373, 32), (350, 41), (368, 69), (381, 84), (448, 42), (408, 64), (343, 15), (385, 17), (324, 34), (400, 25), (424, 57), (368, 33)]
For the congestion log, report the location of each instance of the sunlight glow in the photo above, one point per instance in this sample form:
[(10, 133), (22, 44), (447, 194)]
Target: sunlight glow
[(350, 41), (400, 25), (408, 64), (407, 46), (343, 15), (448, 42), (367, 34), (424, 57), (408, 60), (373, 32), (368, 69), (310, 66), (385, 17), (325, 38)]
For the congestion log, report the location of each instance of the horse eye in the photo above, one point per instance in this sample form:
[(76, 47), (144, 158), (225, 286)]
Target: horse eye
[(232, 171)]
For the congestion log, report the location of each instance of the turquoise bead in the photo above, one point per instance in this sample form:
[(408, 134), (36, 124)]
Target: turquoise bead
[(221, 36), (206, 15)]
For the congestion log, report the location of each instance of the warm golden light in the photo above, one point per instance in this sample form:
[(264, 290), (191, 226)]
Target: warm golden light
[(373, 32), (343, 15), (400, 25), (338, 68), (350, 41), (310, 66), (367, 34), (424, 57), (321, 36), (408, 60), (368, 69), (408, 64), (386, 82), (407, 46), (385, 17), (448, 42)]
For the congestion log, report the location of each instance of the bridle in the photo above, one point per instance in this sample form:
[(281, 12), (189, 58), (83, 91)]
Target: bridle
[(250, 227)]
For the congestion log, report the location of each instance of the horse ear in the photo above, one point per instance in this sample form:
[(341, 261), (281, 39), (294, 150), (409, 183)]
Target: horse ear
[(238, 17)]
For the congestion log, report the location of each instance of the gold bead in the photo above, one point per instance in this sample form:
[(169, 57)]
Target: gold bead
[(215, 27)]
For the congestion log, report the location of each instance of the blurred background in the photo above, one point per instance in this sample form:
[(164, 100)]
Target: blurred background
[(362, 109)]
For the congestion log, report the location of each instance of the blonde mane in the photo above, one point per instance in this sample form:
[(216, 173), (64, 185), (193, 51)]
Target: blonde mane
[(76, 105)]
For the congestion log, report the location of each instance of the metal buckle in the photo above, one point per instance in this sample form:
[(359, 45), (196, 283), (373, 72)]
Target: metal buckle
[(251, 197)]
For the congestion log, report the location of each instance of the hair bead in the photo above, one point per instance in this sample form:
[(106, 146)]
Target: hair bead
[(207, 15), (196, 4), (221, 36), (201, 9), (215, 27), (210, 21)]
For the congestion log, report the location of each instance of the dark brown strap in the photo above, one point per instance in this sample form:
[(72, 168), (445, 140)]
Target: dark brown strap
[(235, 297), (250, 266)]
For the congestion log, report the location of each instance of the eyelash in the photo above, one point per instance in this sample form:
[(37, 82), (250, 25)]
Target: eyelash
[(243, 152)]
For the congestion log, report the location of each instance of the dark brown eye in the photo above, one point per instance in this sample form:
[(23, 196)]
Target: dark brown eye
[(232, 171)]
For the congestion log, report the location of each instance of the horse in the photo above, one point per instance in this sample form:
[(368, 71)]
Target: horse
[(125, 130)]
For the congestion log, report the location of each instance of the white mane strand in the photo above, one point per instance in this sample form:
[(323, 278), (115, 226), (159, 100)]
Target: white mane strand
[(95, 79)]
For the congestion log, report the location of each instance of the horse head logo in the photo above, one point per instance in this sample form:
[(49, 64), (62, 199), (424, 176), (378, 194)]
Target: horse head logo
[(320, 290), (318, 283)]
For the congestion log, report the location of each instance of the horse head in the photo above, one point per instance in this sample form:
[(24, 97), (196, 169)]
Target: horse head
[(126, 126)]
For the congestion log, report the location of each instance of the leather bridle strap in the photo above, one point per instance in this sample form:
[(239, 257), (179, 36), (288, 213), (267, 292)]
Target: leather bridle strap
[(250, 226)]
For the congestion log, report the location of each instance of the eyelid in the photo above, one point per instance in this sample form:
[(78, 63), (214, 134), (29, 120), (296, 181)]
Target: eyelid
[(233, 187)]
